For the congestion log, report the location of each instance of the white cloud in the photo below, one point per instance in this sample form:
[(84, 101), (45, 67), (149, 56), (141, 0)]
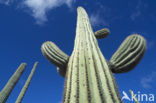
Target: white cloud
[(69, 2), (138, 11), (148, 80), (102, 16), (135, 15), (39, 8), (96, 20), (6, 2)]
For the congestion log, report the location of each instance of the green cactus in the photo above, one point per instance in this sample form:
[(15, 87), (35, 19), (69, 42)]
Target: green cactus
[(25, 87), (129, 54), (58, 57), (55, 56), (6, 91), (88, 76), (102, 33)]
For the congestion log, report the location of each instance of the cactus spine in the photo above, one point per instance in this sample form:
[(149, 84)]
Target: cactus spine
[(88, 75), (4, 94), (25, 87)]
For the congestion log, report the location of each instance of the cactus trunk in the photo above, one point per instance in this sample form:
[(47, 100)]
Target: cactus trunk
[(24, 89), (88, 77), (11, 83)]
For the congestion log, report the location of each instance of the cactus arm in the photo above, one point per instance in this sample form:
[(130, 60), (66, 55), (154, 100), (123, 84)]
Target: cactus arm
[(55, 56), (6, 91), (25, 87), (102, 33), (88, 78), (129, 54)]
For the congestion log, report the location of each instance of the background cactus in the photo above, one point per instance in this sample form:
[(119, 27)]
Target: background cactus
[(6, 91), (25, 87), (4, 94)]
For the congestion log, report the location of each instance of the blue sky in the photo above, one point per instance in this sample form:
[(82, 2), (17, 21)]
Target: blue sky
[(26, 24)]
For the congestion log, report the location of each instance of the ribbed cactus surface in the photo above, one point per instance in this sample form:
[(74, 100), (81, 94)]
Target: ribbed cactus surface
[(6, 91), (25, 87), (55, 56), (88, 78), (128, 54)]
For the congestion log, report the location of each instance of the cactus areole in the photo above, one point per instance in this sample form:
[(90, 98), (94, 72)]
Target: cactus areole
[(88, 76)]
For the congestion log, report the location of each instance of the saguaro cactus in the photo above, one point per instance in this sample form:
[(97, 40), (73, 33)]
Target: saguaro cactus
[(25, 87), (88, 75), (4, 94)]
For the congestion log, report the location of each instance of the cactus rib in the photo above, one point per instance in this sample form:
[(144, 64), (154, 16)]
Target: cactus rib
[(128, 54), (25, 87), (6, 91)]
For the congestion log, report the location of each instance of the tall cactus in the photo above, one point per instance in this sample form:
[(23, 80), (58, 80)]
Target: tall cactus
[(25, 87), (6, 91), (88, 75), (89, 79)]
